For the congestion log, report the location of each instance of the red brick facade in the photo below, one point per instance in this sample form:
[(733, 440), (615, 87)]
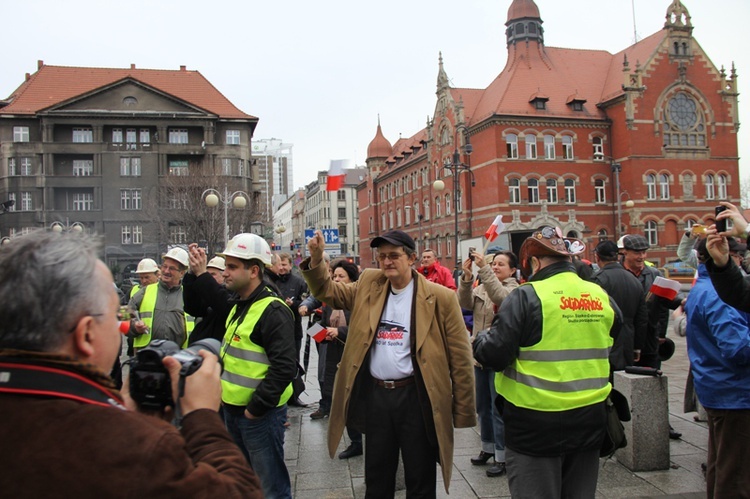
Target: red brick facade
[(660, 109)]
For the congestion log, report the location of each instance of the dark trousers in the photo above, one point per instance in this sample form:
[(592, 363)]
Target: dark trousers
[(728, 453), (394, 422), (571, 476)]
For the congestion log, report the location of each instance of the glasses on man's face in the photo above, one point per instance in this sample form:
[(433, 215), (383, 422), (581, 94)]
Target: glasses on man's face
[(390, 256), (170, 268)]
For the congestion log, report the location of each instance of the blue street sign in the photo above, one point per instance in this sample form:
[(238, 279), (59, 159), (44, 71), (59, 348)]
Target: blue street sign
[(331, 238)]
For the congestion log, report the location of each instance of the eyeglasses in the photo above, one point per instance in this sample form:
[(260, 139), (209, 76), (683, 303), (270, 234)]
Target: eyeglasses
[(170, 268), (390, 256), (75, 324)]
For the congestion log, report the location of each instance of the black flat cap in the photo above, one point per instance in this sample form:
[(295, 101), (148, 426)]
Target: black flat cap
[(396, 238)]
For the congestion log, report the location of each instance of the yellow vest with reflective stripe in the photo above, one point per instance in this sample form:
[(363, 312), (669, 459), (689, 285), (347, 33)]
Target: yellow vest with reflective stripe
[(569, 367), (146, 311), (245, 362), (134, 290)]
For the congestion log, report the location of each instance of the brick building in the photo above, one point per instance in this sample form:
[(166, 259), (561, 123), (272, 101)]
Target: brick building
[(550, 138), (126, 153)]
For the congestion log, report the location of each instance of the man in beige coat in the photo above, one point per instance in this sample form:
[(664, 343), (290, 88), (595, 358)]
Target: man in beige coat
[(417, 380)]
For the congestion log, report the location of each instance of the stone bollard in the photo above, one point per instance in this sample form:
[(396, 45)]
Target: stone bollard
[(648, 430)]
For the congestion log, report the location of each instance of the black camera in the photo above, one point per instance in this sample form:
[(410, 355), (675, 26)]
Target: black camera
[(150, 386), (472, 250), (721, 225)]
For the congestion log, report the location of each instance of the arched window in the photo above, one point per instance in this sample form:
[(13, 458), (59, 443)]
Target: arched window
[(570, 191), (598, 149), (651, 233), (382, 221), (417, 217), (602, 235), (437, 207), (426, 209), (531, 147), (449, 246), (407, 215), (447, 204), (552, 191), (511, 144), (390, 219), (651, 186), (684, 124), (533, 188), (689, 223), (721, 186), (710, 186), (549, 147), (567, 142), (600, 191), (514, 191), (398, 218), (445, 136), (664, 186)]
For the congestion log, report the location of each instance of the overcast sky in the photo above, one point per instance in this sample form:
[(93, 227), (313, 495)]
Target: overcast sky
[(317, 74)]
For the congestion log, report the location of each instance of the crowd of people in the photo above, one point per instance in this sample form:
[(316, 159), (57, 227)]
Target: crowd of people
[(409, 352)]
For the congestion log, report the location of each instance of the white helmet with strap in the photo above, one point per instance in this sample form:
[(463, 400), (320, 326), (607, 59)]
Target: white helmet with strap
[(247, 247), (178, 255)]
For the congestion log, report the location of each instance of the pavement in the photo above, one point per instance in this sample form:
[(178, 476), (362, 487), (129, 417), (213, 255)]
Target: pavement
[(315, 475)]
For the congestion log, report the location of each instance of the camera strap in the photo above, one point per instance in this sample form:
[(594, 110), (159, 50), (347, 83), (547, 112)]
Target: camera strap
[(43, 381)]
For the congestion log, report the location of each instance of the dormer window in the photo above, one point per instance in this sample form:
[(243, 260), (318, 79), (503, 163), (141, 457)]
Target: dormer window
[(539, 101), (575, 102)]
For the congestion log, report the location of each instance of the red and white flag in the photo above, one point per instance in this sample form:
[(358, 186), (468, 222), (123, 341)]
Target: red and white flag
[(337, 174), (317, 332), (665, 288), (495, 229)]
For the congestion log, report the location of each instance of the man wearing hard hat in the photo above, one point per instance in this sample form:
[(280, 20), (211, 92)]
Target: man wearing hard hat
[(160, 305), (205, 296), (259, 362), (147, 272)]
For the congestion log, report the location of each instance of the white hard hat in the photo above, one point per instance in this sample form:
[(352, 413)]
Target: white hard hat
[(216, 262), (248, 246), (178, 255), (146, 266)]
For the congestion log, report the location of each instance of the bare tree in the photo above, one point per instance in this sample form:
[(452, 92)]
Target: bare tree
[(183, 217)]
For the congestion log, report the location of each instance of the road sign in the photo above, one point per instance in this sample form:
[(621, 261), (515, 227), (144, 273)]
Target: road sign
[(331, 237)]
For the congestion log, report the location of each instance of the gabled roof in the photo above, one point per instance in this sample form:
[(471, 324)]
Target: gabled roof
[(52, 85)]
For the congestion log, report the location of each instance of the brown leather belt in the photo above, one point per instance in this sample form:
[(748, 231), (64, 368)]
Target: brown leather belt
[(390, 384)]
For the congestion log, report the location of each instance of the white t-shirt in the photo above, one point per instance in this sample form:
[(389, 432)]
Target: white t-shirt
[(391, 354)]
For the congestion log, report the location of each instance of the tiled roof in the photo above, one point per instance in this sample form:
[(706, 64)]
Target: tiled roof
[(52, 85)]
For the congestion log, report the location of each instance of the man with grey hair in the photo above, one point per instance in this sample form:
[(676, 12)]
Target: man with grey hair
[(59, 411)]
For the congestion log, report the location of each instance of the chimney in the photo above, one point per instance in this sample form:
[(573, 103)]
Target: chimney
[(28, 76), (132, 66), (39, 64), (183, 68)]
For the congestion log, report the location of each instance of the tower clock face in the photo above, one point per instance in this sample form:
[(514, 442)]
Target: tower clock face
[(683, 111)]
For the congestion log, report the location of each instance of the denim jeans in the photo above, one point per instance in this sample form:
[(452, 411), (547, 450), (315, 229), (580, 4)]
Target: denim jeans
[(491, 426), (262, 442)]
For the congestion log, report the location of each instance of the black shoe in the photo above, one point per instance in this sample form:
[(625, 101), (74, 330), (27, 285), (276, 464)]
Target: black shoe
[(481, 459), (318, 414), (497, 469), (674, 435), (354, 449), (297, 403)]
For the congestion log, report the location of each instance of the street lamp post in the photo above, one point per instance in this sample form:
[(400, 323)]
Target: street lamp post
[(456, 167), (420, 217), (616, 169), (238, 199), (280, 231), (67, 226)]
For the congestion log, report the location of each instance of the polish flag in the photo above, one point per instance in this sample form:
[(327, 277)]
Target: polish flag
[(495, 229), (337, 174), (317, 332), (665, 288)]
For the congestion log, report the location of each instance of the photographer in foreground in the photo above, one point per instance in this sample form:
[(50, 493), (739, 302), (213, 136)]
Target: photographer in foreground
[(732, 287), (68, 431)]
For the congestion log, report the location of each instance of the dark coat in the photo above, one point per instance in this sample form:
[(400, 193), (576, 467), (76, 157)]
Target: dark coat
[(205, 298), (627, 292), (334, 350), (55, 447), (294, 287), (732, 287)]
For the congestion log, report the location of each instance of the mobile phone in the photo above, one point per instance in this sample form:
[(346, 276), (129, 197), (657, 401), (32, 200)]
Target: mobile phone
[(721, 225), (471, 250)]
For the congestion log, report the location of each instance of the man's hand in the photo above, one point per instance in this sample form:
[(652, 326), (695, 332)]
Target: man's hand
[(302, 310), (331, 333), (467, 275), (316, 246), (738, 221), (202, 388), (198, 259), (140, 327), (718, 248)]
